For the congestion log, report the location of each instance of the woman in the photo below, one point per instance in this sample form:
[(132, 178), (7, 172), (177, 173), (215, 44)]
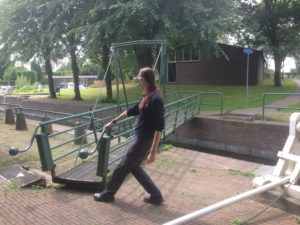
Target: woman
[(147, 137)]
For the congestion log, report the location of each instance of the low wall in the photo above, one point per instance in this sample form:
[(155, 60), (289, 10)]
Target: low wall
[(258, 139), (49, 105)]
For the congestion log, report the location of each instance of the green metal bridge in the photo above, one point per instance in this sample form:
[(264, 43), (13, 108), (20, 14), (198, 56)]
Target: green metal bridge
[(83, 154)]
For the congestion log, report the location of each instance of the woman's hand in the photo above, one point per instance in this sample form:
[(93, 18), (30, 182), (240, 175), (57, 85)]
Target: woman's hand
[(108, 125), (120, 117), (151, 157), (155, 142)]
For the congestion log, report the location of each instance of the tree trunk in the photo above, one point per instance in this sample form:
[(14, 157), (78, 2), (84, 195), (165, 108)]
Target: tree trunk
[(49, 71), (75, 71), (144, 56), (3, 66), (277, 75), (105, 61)]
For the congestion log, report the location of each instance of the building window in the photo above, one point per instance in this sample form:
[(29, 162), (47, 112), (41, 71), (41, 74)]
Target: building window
[(172, 72)]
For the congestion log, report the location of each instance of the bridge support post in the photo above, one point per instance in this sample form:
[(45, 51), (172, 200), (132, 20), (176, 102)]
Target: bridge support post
[(47, 129), (80, 135), (20, 121), (9, 116)]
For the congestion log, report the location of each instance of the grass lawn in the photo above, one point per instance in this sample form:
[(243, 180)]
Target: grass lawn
[(234, 96)]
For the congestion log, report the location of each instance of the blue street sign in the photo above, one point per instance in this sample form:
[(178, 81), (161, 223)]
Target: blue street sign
[(248, 51)]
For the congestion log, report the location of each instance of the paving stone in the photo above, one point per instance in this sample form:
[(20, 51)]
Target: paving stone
[(189, 181)]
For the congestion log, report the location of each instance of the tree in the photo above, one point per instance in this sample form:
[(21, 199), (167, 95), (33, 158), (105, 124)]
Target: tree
[(37, 68), (4, 63), (24, 31), (272, 25), (199, 22), (66, 28), (100, 33), (297, 62)]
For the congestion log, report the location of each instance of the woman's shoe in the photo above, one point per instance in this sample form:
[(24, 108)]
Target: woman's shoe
[(104, 197), (153, 200)]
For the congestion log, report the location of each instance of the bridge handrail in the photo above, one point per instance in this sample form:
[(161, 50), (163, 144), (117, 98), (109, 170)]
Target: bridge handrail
[(220, 104), (14, 150), (264, 106), (203, 94), (120, 135), (67, 116), (43, 124), (9, 105)]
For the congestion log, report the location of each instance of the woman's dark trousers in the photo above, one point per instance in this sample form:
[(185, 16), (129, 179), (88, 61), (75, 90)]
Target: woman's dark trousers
[(131, 164)]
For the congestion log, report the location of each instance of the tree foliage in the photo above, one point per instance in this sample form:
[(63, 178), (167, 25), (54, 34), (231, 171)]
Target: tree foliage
[(272, 25), (200, 22), (13, 72), (48, 30), (4, 62), (25, 32)]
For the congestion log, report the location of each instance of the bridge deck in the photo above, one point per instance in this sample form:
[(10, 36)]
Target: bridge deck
[(81, 176)]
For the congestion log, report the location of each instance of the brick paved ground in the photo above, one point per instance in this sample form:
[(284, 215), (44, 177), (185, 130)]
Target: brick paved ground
[(189, 180)]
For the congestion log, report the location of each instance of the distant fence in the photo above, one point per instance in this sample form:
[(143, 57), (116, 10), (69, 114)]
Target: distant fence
[(266, 95)]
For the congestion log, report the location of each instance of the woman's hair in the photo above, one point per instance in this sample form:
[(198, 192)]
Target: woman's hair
[(149, 77), (150, 87)]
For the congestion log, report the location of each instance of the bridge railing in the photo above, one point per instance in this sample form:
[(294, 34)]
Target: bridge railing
[(67, 146), (122, 134), (72, 133), (268, 95), (213, 100), (178, 112)]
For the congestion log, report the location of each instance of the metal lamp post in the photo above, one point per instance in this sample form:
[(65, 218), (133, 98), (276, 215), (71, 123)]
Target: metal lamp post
[(247, 51)]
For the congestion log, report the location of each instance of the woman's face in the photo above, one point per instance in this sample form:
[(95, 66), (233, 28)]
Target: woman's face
[(142, 81)]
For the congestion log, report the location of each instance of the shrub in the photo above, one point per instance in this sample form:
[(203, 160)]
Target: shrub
[(12, 73), (22, 81), (31, 76), (269, 74)]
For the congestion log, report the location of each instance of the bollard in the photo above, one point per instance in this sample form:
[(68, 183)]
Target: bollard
[(79, 135), (20, 121), (9, 116), (47, 129)]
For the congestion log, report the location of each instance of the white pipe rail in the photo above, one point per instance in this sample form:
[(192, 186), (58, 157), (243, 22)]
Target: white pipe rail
[(228, 201)]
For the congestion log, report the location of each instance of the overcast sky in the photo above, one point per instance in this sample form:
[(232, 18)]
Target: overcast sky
[(289, 64)]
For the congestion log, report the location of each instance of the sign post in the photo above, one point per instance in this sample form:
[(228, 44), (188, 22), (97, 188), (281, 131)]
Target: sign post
[(247, 51)]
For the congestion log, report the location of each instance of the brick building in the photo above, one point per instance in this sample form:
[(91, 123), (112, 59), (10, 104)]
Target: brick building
[(225, 66)]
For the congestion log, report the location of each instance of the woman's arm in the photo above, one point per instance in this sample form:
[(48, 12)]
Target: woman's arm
[(119, 117), (155, 143)]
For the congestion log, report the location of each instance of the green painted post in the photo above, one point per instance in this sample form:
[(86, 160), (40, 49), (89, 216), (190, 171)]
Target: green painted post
[(263, 106), (175, 122), (163, 69), (122, 79), (117, 80), (200, 103), (103, 155), (44, 151)]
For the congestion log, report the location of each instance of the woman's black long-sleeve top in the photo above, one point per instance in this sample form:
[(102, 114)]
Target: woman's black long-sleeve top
[(151, 118)]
